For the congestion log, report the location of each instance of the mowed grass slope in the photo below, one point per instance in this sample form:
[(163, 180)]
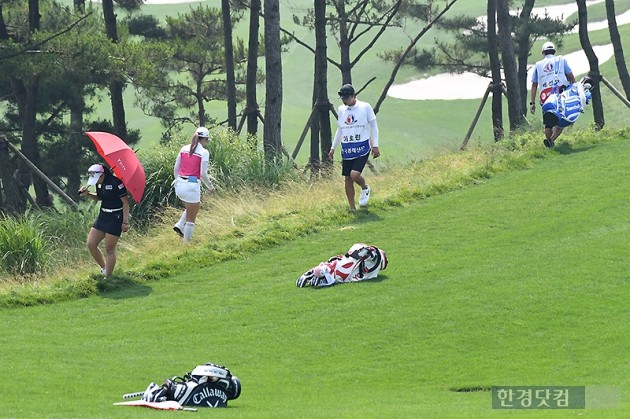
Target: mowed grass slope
[(520, 280)]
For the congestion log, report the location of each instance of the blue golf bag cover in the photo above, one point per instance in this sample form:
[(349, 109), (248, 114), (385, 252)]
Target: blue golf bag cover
[(568, 105), (208, 385)]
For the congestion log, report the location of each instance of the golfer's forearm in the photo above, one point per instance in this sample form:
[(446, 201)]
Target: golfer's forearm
[(125, 213), (534, 90), (374, 128), (336, 140)]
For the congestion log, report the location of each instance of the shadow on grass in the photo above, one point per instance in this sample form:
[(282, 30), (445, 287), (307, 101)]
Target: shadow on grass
[(566, 148), (364, 216), (118, 287), (379, 278)]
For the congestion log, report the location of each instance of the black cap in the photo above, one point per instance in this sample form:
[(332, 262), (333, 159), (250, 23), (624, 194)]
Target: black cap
[(346, 90)]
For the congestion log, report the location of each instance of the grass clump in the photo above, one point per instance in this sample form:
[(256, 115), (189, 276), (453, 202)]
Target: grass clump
[(235, 164), (23, 247)]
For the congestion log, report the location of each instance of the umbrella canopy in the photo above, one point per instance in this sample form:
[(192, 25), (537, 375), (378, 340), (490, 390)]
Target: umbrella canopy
[(122, 160)]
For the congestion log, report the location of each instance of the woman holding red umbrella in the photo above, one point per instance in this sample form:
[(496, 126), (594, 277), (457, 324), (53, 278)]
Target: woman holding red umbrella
[(113, 218)]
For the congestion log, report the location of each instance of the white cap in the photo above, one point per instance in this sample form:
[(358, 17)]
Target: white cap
[(203, 132), (548, 46), (97, 170)]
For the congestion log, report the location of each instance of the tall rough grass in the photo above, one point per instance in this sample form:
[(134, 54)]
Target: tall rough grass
[(44, 240), (24, 249), (66, 232), (158, 192), (234, 164)]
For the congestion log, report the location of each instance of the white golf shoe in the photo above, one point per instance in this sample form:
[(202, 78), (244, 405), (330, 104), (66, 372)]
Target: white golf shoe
[(365, 196)]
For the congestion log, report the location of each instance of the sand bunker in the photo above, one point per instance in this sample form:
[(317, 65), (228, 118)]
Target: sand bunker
[(472, 86)]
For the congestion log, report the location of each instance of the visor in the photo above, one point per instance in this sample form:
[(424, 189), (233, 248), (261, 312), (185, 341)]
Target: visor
[(93, 178)]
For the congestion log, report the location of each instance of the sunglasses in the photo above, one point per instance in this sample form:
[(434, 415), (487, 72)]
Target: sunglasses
[(94, 173)]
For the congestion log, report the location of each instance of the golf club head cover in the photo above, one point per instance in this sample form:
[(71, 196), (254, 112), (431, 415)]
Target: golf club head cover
[(154, 393)]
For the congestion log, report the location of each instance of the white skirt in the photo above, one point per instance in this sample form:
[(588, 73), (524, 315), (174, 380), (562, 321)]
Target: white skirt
[(189, 192)]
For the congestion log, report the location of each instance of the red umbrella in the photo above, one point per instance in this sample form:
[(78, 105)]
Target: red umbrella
[(122, 160)]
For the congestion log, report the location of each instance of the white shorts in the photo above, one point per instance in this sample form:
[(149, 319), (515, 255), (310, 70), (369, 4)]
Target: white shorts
[(187, 191)]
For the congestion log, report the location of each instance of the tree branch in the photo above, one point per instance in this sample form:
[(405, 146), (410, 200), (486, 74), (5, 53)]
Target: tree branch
[(407, 51), (35, 47)]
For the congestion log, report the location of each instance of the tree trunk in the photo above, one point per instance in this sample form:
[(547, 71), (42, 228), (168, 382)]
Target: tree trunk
[(515, 112), (118, 108), (230, 79), (495, 69), (200, 105), (30, 147), (596, 97), (273, 87), (320, 90), (14, 203), (4, 34), (110, 20), (74, 147), (313, 160), (344, 43), (79, 6), (523, 42), (116, 87), (620, 60), (251, 109), (33, 15)]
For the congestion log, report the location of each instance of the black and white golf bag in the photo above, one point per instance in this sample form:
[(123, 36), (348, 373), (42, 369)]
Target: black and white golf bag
[(208, 385), (360, 263)]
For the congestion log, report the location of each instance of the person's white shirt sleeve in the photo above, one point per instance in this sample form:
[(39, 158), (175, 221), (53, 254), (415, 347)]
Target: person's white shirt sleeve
[(178, 162), (205, 179), (374, 129), (336, 140)]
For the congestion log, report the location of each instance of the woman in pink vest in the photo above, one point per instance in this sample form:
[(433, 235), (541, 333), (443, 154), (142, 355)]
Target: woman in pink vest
[(191, 167)]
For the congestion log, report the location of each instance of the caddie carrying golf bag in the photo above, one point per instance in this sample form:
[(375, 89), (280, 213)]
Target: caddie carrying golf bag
[(208, 385), (360, 263)]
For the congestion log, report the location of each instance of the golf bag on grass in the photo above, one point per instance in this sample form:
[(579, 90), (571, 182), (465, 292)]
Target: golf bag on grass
[(360, 263), (208, 385)]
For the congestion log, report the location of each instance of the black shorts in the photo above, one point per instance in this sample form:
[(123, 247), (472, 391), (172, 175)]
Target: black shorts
[(109, 222), (550, 119), (355, 164)]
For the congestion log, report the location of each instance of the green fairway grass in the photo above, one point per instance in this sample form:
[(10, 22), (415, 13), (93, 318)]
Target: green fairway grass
[(518, 280)]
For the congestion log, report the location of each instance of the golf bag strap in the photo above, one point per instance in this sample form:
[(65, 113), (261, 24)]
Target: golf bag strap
[(355, 255), (378, 258)]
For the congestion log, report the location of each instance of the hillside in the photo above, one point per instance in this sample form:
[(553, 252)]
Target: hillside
[(506, 268)]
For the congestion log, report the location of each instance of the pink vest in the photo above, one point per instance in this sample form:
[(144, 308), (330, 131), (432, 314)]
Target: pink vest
[(190, 165)]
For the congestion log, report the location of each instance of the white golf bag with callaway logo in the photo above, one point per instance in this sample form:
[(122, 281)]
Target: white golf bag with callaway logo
[(360, 263), (208, 385)]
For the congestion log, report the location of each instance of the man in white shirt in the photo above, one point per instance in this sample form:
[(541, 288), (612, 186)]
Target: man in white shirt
[(357, 132), (552, 74)]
